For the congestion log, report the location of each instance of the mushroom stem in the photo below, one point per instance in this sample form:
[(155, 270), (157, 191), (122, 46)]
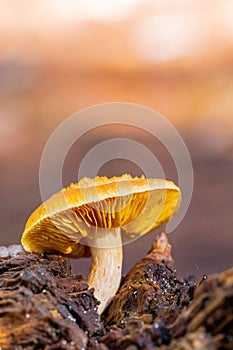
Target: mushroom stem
[(105, 274)]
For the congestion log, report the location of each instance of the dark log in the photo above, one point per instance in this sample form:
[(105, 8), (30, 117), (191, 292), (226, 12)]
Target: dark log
[(44, 306), (154, 308), (151, 290)]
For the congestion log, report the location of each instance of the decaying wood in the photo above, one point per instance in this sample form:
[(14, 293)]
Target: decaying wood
[(151, 290), (205, 323), (44, 306)]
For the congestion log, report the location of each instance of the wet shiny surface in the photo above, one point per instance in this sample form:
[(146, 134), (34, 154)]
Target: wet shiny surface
[(11, 251)]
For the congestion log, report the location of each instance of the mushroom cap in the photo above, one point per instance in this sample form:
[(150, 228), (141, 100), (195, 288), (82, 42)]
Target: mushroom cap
[(137, 205)]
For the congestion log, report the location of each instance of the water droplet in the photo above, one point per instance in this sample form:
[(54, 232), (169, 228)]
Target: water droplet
[(71, 318), (4, 252), (15, 249)]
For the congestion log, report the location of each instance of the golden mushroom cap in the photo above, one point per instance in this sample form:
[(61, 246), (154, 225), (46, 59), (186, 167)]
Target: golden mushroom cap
[(137, 205)]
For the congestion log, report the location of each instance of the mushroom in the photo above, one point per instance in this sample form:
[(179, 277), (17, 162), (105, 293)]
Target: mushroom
[(86, 219)]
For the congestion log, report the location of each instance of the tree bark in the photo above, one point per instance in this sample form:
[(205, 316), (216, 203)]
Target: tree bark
[(44, 306)]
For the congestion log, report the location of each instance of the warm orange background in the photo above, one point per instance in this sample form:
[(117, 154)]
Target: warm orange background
[(173, 56)]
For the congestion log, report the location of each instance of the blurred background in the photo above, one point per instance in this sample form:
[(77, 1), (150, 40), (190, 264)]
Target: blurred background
[(59, 56)]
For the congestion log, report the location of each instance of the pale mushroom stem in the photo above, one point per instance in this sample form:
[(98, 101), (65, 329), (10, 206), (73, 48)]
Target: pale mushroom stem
[(105, 274)]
